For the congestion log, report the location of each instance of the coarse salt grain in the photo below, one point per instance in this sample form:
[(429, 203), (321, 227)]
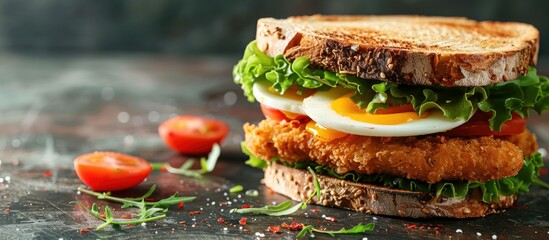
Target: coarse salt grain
[(459, 231), (494, 236), (143, 224), (479, 234)]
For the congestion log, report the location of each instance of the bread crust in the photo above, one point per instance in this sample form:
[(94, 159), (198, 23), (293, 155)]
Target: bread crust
[(298, 185), (416, 50)]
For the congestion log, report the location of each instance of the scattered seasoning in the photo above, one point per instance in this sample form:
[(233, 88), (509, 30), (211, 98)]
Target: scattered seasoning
[(126, 217), (270, 191), (47, 173), (315, 210), (183, 222), (274, 229), (83, 230), (294, 226), (411, 226), (180, 205), (437, 232), (149, 199), (331, 219), (246, 206), (224, 203), (494, 237), (479, 234), (7, 210), (543, 171), (243, 221), (220, 220), (194, 212), (459, 231)]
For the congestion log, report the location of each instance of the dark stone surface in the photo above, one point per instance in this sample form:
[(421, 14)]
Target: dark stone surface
[(53, 109)]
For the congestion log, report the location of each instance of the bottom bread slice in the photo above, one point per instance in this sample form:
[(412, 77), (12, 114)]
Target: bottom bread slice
[(298, 185)]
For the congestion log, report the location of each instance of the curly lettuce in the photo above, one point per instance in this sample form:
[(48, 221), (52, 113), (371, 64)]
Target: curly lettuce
[(520, 96), (491, 190)]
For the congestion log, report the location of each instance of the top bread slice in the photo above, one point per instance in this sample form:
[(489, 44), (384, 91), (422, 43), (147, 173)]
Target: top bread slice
[(440, 51)]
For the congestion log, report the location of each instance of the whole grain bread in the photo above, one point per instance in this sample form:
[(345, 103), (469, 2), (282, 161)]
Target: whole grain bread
[(443, 51), (298, 185)]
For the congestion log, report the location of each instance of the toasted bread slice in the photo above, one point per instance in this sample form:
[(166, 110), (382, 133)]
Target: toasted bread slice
[(440, 51), (298, 185)]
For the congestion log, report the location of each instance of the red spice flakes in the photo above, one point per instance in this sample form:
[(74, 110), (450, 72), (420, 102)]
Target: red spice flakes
[(220, 220), (7, 210), (543, 171), (102, 215), (315, 210), (411, 226), (126, 217), (422, 227), (149, 199), (224, 203), (243, 221), (194, 212), (274, 229), (84, 230), (47, 173), (294, 226), (246, 206), (331, 219), (439, 225), (270, 191), (180, 205), (437, 232), (183, 222)]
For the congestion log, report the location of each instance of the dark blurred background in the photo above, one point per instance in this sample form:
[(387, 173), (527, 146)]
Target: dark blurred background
[(206, 27)]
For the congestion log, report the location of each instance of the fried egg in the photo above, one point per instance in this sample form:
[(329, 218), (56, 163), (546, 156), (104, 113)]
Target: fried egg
[(334, 110), (289, 102)]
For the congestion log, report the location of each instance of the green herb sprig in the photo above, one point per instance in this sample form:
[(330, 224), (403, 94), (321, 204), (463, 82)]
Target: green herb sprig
[(360, 228), (155, 212), (286, 207), (206, 165)]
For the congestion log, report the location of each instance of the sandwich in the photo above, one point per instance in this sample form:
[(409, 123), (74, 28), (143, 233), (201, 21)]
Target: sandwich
[(408, 116)]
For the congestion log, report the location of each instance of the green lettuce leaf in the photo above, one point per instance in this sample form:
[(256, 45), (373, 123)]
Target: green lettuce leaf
[(491, 190), (519, 96)]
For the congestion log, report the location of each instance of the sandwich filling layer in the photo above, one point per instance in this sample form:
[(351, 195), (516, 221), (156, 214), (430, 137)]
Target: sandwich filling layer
[(411, 163)]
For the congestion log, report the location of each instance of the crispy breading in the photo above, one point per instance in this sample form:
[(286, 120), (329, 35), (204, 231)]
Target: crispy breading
[(428, 158)]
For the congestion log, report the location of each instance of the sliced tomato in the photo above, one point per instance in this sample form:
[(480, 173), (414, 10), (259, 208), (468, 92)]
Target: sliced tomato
[(478, 125), (191, 134), (111, 171), (396, 109), (278, 115)]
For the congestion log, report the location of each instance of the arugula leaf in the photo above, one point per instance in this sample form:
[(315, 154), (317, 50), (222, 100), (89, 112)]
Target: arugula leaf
[(519, 96), (282, 209), (206, 165), (360, 228), (253, 161)]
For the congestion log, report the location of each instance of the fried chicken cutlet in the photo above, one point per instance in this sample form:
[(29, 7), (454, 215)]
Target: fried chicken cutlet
[(429, 158)]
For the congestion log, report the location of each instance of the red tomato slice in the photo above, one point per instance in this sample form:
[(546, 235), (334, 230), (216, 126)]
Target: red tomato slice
[(191, 134), (478, 126), (111, 171), (278, 115), (396, 109)]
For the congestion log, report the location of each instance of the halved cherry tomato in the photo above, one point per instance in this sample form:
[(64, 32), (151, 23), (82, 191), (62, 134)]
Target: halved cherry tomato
[(111, 171), (396, 109), (278, 115), (191, 134), (478, 126)]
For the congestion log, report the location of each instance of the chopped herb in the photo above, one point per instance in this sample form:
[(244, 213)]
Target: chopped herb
[(360, 228), (237, 188), (155, 212)]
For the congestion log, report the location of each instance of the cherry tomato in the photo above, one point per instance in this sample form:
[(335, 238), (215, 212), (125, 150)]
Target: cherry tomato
[(111, 171), (478, 126), (278, 115), (191, 134), (396, 109)]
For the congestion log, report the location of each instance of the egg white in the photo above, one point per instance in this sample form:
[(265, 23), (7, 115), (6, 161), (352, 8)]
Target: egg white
[(318, 107), (274, 100)]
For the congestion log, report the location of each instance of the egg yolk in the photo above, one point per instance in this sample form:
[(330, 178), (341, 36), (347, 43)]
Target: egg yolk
[(346, 107), (292, 93), (323, 134)]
